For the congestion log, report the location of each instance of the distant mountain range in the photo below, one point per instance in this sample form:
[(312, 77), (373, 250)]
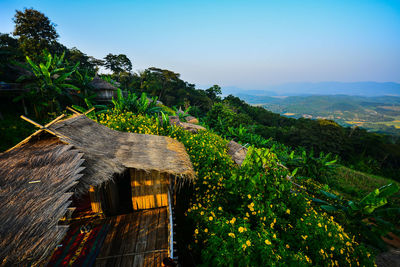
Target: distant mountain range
[(379, 113), (321, 88)]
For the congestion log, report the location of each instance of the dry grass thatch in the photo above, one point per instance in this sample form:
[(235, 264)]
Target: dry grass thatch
[(108, 152), (35, 183), (99, 83)]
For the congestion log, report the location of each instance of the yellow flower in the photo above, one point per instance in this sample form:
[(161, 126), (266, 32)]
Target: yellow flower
[(232, 235), (206, 230), (219, 208), (332, 248), (249, 196), (288, 211), (244, 246), (196, 231), (274, 236), (319, 225), (233, 220), (248, 243), (267, 242), (287, 246), (308, 259), (321, 251), (241, 229), (202, 213), (304, 237), (210, 218)]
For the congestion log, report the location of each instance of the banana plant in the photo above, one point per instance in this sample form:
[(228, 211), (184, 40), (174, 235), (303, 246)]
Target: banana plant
[(47, 83), (316, 167), (82, 79), (98, 108), (182, 114), (368, 216), (132, 103)]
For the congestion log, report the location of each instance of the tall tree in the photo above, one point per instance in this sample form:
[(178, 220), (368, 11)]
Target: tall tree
[(213, 93), (74, 55), (118, 63), (35, 31)]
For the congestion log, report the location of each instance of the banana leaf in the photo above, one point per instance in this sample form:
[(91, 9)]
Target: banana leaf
[(388, 190), (329, 195), (329, 208)]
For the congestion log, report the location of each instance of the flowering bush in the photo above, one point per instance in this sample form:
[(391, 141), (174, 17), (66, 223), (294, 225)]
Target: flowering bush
[(249, 215)]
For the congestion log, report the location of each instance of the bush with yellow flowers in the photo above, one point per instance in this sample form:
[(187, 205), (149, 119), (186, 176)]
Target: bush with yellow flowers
[(251, 215)]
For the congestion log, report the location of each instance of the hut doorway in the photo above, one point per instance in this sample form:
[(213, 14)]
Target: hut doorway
[(123, 182), (114, 197)]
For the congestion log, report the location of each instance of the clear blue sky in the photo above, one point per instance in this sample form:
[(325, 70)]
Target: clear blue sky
[(247, 44)]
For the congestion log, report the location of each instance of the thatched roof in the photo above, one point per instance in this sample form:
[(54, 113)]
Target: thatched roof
[(63, 159), (108, 151), (99, 83), (35, 183)]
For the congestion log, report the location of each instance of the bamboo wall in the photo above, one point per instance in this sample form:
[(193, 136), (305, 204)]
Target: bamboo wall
[(149, 189)]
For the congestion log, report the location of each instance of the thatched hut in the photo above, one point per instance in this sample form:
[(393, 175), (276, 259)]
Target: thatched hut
[(105, 91), (51, 171)]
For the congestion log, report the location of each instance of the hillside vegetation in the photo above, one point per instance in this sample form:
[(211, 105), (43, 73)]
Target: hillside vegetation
[(295, 200)]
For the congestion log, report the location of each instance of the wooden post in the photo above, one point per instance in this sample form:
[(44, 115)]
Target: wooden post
[(95, 201)]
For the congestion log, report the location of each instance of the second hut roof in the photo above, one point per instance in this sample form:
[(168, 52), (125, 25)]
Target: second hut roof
[(99, 83)]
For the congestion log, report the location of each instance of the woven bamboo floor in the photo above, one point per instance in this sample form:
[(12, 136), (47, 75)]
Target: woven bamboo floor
[(136, 239)]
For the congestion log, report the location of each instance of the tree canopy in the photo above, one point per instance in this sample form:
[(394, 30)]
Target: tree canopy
[(118, 63), (34, 30)]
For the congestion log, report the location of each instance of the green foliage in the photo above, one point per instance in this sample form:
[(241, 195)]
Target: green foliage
[(243, 135), (13, 130), (319, 168), (220, 117), (213, 93), (367, 217), (88, 63), (118, 63), (82, 79), (34, 30), (132, 103), (98, 109), (47, 85), (355, 184), (182, 114)]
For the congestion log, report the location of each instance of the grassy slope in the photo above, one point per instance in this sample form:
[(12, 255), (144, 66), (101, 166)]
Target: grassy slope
[(354, 184)]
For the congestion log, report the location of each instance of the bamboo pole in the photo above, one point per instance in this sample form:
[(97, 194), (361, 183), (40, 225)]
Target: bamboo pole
[(90, 110), (74, 111), (55, 120), (31, 121)]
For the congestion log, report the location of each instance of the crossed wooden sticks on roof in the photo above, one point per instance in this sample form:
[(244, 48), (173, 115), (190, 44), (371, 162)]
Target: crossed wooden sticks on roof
[(45, 127)]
